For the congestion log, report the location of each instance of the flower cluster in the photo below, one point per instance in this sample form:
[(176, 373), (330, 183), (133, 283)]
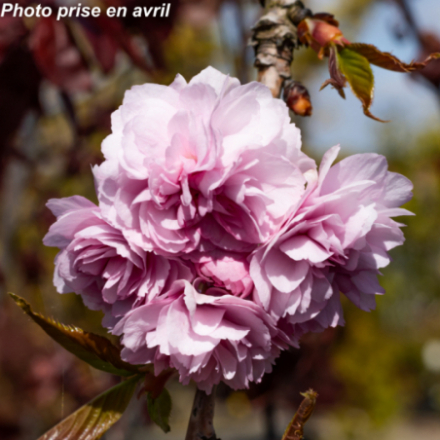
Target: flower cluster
[(217, 243)]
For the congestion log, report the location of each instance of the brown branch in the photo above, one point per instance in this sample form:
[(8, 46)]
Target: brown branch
[(274, 38), (428, 43), (295, 429), (200, 426)]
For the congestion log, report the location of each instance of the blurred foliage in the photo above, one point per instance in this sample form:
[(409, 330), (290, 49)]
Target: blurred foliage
[(374, 367), (188, 51), (379, 356)]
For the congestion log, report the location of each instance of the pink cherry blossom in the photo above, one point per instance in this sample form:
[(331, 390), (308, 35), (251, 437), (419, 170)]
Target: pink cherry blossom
[(98, 263), (209, 160), (336, 240), (217, 243), (206, 338)]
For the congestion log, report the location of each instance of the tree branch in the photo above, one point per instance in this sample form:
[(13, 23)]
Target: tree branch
[(428, 43), (200, 426), (403, 4), (274, 38)]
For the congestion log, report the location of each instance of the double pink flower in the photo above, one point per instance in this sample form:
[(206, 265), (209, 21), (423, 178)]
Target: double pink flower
[(216, 242)]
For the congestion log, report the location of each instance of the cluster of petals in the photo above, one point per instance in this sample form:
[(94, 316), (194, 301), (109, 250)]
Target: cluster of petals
[(336, 240), (96, 261), (206, 337), (209, 161), (216, 242)]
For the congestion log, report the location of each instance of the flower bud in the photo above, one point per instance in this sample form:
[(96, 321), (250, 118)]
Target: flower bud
[(297, 98), (318, 34)]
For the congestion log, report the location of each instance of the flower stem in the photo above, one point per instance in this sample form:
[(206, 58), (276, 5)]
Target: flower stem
[(200, 426)]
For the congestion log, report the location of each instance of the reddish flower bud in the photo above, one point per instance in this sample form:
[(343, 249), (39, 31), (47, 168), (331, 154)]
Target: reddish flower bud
[(297, 98), (318, 34)]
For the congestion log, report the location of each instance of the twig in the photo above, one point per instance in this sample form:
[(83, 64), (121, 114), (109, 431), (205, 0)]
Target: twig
[(200, 426), (427, 42), (295, 429)]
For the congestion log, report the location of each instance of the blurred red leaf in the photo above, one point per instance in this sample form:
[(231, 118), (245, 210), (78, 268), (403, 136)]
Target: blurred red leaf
[(155, 31), (57, 56), (103, 44), (113, 29)]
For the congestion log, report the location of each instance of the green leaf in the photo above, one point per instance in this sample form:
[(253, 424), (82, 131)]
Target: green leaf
[(96, 350), (387, 60), (357, 70), (159, 409), (92, 420)]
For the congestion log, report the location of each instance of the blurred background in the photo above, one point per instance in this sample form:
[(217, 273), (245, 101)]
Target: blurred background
[(379, 377)]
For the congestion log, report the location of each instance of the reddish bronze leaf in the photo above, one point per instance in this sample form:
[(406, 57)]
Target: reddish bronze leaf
[(57, 56), (96, 350), (113, 28), (387, 60), (295, 429)]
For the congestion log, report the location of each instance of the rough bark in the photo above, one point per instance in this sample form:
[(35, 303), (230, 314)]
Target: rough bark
[(274, 38)]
